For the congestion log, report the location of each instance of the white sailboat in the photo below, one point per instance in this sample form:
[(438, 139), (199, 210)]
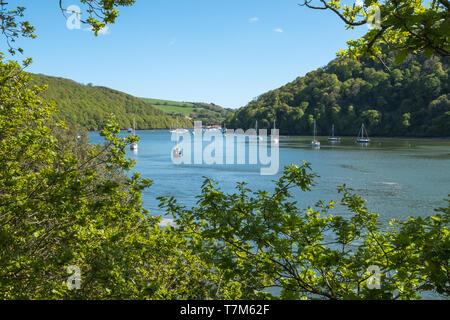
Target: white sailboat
[(333, 138), (134, 146), (315, 143), (176, 151), (363, 136)]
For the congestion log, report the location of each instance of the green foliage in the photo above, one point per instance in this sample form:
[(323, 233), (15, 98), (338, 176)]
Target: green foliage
[(410, 100), (264, 240), (100, 14), (171, 107), (403, 26), (65, 202), (198, 111), (12, 26), (210, 114), (89, 106)]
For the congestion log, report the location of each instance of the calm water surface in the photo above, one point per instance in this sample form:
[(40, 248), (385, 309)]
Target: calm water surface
[(398, 177)]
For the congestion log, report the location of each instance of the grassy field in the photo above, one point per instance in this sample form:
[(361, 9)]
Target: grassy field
[(168, 106), (208, 113)]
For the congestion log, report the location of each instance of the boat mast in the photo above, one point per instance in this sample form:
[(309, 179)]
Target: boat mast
[(314, 129)]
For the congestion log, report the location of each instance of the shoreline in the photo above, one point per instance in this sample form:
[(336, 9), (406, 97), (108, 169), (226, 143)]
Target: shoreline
[(300, 135)]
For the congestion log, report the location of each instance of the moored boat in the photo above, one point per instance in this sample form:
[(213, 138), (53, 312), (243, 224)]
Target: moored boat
[(333, 138), (134, 146), (315, 143), (363, 136)]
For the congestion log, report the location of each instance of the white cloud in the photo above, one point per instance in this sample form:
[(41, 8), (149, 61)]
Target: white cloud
[(253, 20), (278, 30)]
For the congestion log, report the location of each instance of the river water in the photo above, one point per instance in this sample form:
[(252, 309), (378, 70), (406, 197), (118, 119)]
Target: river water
[(397, 177)]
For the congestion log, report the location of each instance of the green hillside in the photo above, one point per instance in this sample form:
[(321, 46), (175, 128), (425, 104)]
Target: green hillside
[(171, 107), (410, 99), (88, 106), (208, 113)]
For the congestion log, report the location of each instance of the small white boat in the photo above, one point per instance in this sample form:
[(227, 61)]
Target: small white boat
[(130, 130), (315, 143), (363, 136), (134, 146), (177, 152), (178, 130), (333, 138)]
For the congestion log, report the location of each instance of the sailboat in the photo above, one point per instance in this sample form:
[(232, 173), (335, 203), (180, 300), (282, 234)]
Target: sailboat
[(176, 151), (315, 143), (333, 138), (134, 145), (363, 136)]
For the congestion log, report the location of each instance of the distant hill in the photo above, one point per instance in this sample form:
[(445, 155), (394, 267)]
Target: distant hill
[(88, 105), (208, 113), (410, 99)]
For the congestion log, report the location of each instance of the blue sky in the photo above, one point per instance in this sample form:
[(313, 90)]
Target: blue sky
[(226, 52)]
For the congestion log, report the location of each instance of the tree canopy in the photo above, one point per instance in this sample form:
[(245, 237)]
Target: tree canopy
[(100, 13), (409, 99), (69, 205), (402, 26), (263, 240), (65, 202), (89, 106)]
